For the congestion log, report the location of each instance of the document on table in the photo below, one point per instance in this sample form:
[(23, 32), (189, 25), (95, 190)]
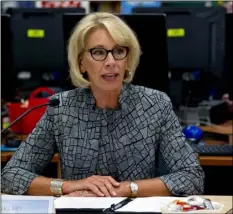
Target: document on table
[(85, 202), (148, 204), (27, 204)]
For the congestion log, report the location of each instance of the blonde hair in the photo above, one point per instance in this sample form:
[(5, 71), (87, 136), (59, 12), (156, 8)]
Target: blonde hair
[(119, 31)]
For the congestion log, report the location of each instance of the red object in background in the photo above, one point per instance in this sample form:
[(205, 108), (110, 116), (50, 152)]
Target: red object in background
[(60, 4), (28, 123)]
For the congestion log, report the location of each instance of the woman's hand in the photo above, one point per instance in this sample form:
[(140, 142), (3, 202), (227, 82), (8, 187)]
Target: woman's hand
[(123, 190), (103, 186), (81, 193)]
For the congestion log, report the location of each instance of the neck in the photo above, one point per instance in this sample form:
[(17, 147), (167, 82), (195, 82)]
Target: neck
[(106, 99)]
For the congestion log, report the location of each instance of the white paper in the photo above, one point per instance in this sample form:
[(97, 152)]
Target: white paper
[(86, 202), (27, 204), (150, 204)]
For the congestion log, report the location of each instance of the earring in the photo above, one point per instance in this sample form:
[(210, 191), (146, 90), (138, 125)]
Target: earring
[(128, 73)]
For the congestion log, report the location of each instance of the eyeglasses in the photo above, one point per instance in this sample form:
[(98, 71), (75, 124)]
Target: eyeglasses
[(100, 54)]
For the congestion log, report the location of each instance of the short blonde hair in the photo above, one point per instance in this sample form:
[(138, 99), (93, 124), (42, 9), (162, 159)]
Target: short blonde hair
[(119, 31)]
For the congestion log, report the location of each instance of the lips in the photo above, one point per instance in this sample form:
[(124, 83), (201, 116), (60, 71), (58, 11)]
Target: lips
[(110, 76)]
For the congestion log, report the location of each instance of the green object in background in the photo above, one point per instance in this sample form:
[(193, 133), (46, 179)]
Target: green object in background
[(175, 32), (35, 33)]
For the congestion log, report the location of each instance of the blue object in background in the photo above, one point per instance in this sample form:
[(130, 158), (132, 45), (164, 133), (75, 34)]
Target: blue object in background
[(8, 149), (196, 75), (201, 143), (193, 133), (126, 6), (212, 93), (56, 75), (26, 4)]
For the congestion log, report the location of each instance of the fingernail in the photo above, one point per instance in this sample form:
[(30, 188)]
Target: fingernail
[(113, 193)]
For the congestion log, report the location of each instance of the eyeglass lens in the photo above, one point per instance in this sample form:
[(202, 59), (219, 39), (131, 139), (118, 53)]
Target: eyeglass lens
[(101, 53)]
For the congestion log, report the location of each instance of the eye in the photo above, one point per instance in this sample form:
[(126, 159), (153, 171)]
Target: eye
[(98, 51), (119, 50)]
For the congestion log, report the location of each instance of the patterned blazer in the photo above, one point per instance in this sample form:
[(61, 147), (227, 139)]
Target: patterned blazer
[(140, 139)]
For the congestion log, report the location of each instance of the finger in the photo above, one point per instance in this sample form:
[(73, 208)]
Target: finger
[(110, 188), (94, 189), (112, 181), (101, 186), (74, 194), (89, 194)]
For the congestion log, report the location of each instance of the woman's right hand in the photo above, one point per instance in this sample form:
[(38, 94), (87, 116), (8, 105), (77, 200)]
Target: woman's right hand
[(102, 186)]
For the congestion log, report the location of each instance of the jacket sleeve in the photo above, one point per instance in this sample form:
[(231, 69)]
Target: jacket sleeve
[(31, 157), (184, 174)]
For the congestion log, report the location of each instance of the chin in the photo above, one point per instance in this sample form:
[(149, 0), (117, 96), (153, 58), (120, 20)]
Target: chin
[(112, 86)]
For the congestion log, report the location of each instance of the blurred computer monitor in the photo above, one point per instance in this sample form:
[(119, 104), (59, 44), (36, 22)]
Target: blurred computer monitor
[(195, 37), (37, 44), (8, 79), (153, 68), (229, 54)]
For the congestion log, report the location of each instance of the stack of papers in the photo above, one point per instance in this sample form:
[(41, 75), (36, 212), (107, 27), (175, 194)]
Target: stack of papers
[(27, 204), (85, 202), (150, 204)]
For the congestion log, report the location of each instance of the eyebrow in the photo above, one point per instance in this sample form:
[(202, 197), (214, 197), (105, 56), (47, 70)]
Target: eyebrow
[(101, 46), (98, 46)]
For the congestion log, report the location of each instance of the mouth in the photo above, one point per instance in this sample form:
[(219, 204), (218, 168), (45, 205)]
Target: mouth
[(109, 77)]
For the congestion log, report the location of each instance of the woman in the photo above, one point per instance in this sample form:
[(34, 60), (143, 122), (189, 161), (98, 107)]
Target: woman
[(114, 139)]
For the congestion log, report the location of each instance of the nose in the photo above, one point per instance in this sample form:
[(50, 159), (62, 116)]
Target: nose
[(110, 61)]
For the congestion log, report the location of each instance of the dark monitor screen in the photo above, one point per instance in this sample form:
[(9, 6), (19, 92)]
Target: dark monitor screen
[(229, 54), (152, 71), (38, 38), (8, 80), (5, 43), (195, 37)]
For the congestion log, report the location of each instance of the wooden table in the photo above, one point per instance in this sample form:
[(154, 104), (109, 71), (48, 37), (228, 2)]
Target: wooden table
[(5, 156), (226, 201), (216, 160), (224, 129)]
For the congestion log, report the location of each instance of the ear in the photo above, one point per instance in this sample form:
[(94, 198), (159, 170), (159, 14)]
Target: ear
[(82, 69)]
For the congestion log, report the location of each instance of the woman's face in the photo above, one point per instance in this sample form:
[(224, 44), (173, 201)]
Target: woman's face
[(105, 70)]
